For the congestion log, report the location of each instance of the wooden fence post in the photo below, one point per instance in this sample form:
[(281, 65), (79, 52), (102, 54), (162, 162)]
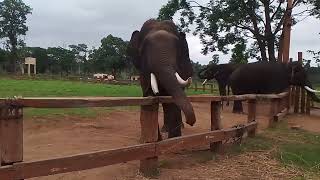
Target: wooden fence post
[(203, 87), (303, 101), (297, 99), (215, 124), (11, 135), (273, 111), (211, 88), (252, 109), (149, 134)]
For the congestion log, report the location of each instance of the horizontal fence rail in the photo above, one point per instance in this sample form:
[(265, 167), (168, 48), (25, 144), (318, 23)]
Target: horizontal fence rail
[(80, 102), (92, 160)]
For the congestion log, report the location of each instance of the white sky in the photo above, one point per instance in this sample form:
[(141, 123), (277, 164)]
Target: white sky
[(65, 22)]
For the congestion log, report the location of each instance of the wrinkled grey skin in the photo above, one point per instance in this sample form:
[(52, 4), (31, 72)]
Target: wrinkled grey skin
[(160, 49), (267, 78)]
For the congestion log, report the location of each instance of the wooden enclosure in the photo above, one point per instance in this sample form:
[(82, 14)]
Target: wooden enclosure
[(11, 133)]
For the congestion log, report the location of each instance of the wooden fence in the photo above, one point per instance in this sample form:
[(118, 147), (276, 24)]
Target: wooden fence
[(11, 133), (203, 87), (301, 100)]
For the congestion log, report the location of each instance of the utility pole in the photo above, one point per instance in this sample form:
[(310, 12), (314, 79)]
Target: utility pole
[(286, 33)]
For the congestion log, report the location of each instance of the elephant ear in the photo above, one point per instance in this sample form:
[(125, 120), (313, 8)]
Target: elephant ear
[(133, 49), (184, 62)]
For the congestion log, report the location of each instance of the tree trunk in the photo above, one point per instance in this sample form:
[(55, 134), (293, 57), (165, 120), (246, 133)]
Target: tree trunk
[(268, 32)]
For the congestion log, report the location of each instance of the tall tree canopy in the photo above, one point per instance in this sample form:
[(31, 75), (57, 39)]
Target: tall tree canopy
[(239, 54), (221, 23), (13, 16), (110, 56)]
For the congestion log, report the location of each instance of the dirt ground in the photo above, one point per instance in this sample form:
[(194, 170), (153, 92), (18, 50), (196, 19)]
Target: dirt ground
[(49, 138)]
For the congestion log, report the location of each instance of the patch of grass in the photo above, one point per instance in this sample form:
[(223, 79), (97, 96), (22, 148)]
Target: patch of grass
[(297, 148), (202, 156), (306, 156)]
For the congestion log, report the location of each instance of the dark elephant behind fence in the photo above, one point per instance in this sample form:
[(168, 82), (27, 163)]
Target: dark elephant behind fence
[(268, 78), (160, 52), (219, 72)]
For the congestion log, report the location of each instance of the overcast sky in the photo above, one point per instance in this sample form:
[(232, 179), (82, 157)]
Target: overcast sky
[(65, 22)]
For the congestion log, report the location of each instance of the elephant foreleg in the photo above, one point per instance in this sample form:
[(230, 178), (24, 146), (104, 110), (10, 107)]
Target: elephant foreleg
[(237, 107), (172, 119)]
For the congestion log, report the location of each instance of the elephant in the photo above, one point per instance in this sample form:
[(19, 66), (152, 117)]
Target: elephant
[(268, 78), (161, 54), (220, 72)]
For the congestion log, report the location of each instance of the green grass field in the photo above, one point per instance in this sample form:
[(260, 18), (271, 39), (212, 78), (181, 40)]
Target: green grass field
[(61, 88)]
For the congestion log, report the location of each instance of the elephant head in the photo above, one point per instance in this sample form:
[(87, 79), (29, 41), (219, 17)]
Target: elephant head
[(299, 77), (161, 55), (220, 72)]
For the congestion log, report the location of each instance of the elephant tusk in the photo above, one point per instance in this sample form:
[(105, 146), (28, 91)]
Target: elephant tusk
[(183, 82), (311, 90), (154, 84), (205, 81)]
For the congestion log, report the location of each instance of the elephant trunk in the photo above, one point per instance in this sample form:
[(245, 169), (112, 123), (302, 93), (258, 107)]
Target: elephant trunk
[(168, 80), (312, 92)]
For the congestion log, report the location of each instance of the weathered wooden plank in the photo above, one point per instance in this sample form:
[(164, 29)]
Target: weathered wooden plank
[(149, 134), (79, 162), (273, 111), (11, 135), (78, 102), (252, 113), (215, 124), (190, 141), (281, 115)]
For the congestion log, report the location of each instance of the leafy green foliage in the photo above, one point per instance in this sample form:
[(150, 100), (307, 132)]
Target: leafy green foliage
[(239, 54), (13, 16), (228, 22), (110, 56), (316, 8), (215, 59), (63, 60)]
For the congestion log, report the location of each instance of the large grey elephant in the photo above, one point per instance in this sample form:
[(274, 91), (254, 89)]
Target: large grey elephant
[(268, 78), (160, 52)]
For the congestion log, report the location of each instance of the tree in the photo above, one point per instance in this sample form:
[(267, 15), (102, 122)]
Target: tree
[(80, 52), (13, 16), (43, 62), (4, 58), (316, 56), (239, 54), (110, 56), (62, 60), (316, 8), (215, 59), (221, 23)]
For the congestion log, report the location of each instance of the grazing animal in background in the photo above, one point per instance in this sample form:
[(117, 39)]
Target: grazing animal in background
[(268, 78), (160, 53)]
